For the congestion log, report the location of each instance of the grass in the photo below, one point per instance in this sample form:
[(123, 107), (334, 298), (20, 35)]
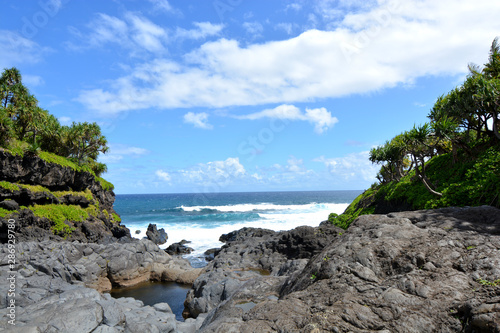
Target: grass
[(16, 147), (59, 214), (485, 282), (87, 194), (9, 186), (354, 210), (4, 212), (116, 218), (473, 181), (35, 188)]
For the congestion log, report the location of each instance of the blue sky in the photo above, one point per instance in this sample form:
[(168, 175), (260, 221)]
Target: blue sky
[(240, 95)]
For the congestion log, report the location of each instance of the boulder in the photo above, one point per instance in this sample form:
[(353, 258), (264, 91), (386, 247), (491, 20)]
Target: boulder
[(156, 236), (179, 248), (211, 253), (422, 271), (9, 205)]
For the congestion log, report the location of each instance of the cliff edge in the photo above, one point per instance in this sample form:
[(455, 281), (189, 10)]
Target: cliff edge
[(53, 201)]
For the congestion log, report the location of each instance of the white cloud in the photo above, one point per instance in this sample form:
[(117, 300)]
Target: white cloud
[(295, 165), (116, 152), (286, 27), (65, 120), (253, 28), (33, 80), (203, 30), (354, 166), (146, 34), (17, 50), (294, 6), (134, 33), (163, 5), (380, 46), (162, 175), (199, 120), (320, 117), (217, 173)]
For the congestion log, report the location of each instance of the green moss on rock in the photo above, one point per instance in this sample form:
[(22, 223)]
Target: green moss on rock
[(59, 214), (9, 186)]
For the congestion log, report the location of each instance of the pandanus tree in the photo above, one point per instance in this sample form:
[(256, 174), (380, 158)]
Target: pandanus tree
[(421, 145), (86, 141), (392, 156), (21, 118)]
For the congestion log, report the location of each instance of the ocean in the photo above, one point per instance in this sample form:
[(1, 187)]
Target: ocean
[(202, 218)]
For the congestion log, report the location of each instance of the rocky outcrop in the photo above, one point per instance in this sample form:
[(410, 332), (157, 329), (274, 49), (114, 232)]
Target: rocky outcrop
[(179, 248), (57, 286), (30, 181), (156, 236), (421, 271)]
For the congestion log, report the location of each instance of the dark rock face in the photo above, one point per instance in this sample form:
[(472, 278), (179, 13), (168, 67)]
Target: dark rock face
[(156, 236), (422, 271), (179, 248), (32, 170), (9, 205)]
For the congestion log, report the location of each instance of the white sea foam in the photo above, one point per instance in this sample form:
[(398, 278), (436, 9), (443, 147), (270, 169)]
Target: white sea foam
[(261, 207), (204, 236)]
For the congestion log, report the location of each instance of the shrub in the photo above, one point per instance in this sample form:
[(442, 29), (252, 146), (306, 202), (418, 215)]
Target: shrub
[(9, 186), (59, 214)]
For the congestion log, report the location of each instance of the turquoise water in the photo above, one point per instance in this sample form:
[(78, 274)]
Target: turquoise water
[(202, 218)]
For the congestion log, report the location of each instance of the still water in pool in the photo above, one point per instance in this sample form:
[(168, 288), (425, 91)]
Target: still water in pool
[(151, 293)]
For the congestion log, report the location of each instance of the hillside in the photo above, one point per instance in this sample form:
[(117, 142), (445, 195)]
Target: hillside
[(453, 160)]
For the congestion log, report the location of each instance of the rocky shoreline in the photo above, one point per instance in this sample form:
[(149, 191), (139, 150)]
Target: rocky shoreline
[(60, 286), (422, 271)]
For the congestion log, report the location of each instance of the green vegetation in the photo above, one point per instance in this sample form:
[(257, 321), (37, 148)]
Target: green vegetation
[(9, 186), (35, 188), (87, 194), (26, 127), (59, 214), (484, 282), (107, 186), (4, 212), (454, 160), (116, 218)]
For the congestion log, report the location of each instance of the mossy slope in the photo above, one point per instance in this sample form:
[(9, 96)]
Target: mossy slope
[(474, 181)]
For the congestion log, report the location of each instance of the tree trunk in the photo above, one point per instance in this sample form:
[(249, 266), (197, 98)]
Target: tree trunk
[(496, 124), (428, 187), (424, 180)]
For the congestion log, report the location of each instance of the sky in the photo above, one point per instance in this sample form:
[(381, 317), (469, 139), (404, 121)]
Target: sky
[(203, 96)]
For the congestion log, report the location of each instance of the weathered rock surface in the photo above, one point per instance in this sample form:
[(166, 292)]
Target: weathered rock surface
[(57, 286), (156, 236), (179, 248), (101, 226), (422, 271)]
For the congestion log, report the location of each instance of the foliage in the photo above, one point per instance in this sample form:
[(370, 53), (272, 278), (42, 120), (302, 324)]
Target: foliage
[(35, 188), (116, 218), (454, 160), (92, 210), (59, 214), (87, 194), (485, 282), (23, 121), (107, 186), (5, 212), (9, 186), (354, 210)]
